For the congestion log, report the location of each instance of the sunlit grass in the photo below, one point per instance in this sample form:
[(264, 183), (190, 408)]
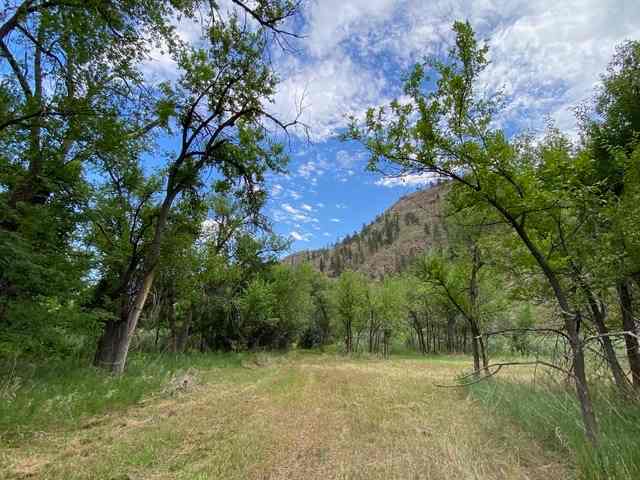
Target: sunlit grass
[(295, 416)]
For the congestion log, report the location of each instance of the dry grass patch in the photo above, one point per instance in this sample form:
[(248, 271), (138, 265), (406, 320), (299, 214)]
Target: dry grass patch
[(309, 418)]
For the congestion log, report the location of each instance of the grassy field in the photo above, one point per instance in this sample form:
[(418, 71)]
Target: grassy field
[(292, 417)]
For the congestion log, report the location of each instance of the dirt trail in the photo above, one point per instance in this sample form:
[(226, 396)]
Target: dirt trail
[(302, 419)]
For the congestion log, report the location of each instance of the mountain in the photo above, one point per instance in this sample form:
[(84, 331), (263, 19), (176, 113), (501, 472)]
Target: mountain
[(388, 244)]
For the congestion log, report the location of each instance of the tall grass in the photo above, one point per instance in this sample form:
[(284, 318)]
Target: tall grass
[(59, 394), (551, 415)]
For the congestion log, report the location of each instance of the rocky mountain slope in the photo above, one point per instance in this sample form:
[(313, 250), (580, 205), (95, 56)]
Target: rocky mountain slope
[(389, 243)]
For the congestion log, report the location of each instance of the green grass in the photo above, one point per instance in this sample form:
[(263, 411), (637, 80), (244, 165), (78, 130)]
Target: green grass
[(552, 416), (302, 415), (60, 394)]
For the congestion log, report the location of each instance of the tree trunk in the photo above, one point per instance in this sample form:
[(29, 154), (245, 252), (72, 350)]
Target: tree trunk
[(183, 332), (123, 334), (464, 339), (415, 322), (571, 322), (628, 324), (619, 377), (423, 346), (451, 323), (170, 307), (582, 390), (598, 314), (111, 344), (476, 355)]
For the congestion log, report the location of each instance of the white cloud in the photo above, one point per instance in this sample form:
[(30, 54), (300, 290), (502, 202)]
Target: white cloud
[(306, 207), (330, 89), (320, 205), (276, 190), (346, 160), (309, 169), (547, 54), (418, 179), (301, 237), (288, 214), (288, 208), (335, 220), (548, 58)]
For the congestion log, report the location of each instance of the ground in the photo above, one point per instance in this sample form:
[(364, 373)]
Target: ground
[(296, 417)]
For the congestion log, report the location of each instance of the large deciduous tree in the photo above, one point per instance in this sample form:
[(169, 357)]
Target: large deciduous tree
[(446, 128), (218, 111)]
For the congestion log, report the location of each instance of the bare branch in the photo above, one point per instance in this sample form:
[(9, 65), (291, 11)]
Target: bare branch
[(499, 366)]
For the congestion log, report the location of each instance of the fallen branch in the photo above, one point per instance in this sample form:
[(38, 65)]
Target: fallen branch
[(498, 367)]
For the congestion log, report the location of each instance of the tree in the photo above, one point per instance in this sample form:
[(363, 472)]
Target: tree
[(319, 330), (611, 134), (391, 310), (68, 89), (217, 105), (350, 297), (459, 283), (448, 131)]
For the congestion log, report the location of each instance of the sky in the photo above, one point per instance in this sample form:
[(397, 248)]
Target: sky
[(546, 56)]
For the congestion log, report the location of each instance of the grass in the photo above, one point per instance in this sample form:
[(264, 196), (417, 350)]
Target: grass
[(551, 415), (60, 394), (295, 416)]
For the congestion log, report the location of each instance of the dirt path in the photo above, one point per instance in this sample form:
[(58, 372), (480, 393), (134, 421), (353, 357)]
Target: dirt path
[(302, 419)]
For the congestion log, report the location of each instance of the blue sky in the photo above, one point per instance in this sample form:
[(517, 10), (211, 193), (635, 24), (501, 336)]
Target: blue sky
[(546, 56)]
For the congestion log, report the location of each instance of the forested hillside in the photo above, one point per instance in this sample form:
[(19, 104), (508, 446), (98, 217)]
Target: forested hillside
[(390, 243)]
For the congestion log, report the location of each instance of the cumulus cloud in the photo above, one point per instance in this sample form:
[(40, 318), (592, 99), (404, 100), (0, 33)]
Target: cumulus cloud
[(276, 190), (546, 55), (323, 91), (301, 237), (411, 180), (288, 214)]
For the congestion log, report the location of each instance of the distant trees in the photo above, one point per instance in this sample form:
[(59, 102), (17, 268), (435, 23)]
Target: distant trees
[(350, 297), (458, 282)]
